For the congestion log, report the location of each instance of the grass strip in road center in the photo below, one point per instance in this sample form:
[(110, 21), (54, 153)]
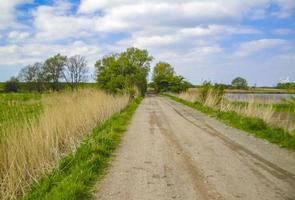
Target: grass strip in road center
[(254, 126), (79, 171)]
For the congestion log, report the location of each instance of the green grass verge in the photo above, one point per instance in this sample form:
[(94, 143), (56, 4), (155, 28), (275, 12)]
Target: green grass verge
[(80, 170), (254, 126)]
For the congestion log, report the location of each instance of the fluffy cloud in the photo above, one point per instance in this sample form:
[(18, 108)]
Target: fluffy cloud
[(256, 46), (8, 12), (18, 36)]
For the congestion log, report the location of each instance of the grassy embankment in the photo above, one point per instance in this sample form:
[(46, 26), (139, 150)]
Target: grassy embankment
[(80, 170), (31, 147), (253, 125)]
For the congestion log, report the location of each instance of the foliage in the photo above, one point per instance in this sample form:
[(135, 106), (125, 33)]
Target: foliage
[(252, 125), (79, 171), (239, 83), (290, 85), (12, 85), (33, 76), (125, 71), (41, 77), (216, 89), (53, 70), (165, 79)]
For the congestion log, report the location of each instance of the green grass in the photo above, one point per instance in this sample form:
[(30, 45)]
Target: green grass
[(23, 88), (16, 108), (79, 171), (254, 126)]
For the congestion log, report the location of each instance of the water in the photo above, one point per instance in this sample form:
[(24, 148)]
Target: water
[(257, 96)]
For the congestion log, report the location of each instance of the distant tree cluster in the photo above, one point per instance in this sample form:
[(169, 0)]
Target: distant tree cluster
[(125, 72), (288, 86), (12, 85), (48, 75), (239, 83), (166, 80)]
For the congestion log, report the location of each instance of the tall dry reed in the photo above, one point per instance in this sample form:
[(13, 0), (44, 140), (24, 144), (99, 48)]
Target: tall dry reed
[(28, 152), (251, 109), (254, 107)]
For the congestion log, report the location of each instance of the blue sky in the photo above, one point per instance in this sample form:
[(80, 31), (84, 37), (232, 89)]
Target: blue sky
[(213, 40)]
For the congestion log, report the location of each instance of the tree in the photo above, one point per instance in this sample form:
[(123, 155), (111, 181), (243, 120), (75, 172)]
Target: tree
[(165, 79), (239, 83), (125, 71), (53, 70), (163, 76), (33, 76), (12, 85), (75, 70), (288, 85)]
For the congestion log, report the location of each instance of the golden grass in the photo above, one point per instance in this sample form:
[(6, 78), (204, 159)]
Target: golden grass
[(255, 107), (28, 152), (252, 109)]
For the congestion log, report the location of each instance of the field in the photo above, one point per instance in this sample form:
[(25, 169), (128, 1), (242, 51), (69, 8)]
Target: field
[(38, 130), (18, 107), (63, 86)]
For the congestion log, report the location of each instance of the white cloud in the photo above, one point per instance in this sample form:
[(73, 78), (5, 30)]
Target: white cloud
[(8, 12), (256, 46), (214, 29), (54, 22), (28, 53), (18, 36)]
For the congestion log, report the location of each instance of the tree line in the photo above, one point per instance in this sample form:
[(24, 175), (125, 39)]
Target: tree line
[(48, 75), (125, 72)]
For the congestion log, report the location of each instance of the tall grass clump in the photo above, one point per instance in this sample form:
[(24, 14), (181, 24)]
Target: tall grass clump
[(251, 109), (213, 97), (31, 150)]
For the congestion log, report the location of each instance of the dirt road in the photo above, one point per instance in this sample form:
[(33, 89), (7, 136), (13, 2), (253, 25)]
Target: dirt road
[(173, 152)]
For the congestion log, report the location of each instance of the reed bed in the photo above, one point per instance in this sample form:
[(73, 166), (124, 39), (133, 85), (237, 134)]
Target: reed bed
[(254, 107), (29, 151)]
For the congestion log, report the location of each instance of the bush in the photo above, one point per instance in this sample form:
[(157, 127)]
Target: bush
[(12, 85)]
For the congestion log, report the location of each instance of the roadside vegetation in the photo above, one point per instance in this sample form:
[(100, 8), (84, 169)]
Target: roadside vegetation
[(30, 150), (273, 112), (79, 171)]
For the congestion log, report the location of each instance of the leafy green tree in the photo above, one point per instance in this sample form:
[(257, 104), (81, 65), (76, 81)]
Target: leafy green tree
[(125, 71), (288, 86), (12, 85), (165, 79), (239, 83), (53, 70)]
